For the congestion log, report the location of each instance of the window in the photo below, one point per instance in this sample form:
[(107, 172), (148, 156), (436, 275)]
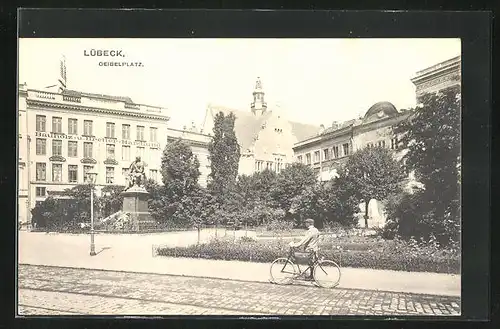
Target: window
[(124, 172), (394, 143), (72, 148), (87, 127), (258, 166), (326, 154), (316, 156), (72, 173), (140, 152), (153, 174), (308, 158), (110, 151), (56, 125), (41, 191), (110, 130), (86, 170), (56, 172), (299, 158), (335, 152), (110, 175), (41, 171), (381, 144), (41, 146), (279, 165), (153, 134), (345, 148), (140, 133), (125, 152), (40, 123), (56, 147), (369, 145), (125, 131), (87, 149), (72, 126)]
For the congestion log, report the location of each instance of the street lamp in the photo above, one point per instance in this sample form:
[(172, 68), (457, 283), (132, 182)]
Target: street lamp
[(91, 176)]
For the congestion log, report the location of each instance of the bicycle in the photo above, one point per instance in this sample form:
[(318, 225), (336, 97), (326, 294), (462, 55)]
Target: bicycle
[(290, 268)]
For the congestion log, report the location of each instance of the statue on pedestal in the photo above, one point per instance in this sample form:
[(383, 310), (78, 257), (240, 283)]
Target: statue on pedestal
[(137, 175)]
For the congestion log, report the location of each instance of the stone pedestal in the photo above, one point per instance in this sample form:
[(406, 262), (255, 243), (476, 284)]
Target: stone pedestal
[(135, 203)]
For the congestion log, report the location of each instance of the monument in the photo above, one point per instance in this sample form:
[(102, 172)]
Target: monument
[(135, 198)]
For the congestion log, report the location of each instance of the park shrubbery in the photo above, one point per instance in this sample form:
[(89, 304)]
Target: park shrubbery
[(281, 201), (357, 252)]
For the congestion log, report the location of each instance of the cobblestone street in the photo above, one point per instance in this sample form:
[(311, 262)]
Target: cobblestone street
[(45, 290)]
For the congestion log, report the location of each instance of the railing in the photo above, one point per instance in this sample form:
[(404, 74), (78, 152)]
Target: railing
[(73, 99), (44, 95), (93, 102)]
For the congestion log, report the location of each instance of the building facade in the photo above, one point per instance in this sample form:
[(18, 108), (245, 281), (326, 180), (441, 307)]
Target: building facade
[(438, 77), (332, 147), (265, 135), (63, 134)]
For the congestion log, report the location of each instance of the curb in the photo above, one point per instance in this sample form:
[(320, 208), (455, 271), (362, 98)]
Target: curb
[(228, 279)]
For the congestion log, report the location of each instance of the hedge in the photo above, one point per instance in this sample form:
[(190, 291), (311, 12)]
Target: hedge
[(384, 255)]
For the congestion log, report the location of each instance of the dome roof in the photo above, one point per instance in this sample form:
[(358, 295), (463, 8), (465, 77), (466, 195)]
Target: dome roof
[(385, 107)]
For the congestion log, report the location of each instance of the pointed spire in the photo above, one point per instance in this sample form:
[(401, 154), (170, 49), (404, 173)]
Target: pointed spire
[(258, 84)]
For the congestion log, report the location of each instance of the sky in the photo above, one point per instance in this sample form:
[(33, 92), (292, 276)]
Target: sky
[(314, 81)]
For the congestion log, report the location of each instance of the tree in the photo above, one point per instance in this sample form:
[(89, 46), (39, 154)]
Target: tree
[(372, 173), (290, 183), (224, 157), (327, 203), (111, 200), (180, 173), (431, 136)]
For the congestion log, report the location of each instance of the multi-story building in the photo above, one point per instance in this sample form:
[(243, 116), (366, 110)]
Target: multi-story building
[(63, 134), (331, 147), (266, 137), (438, 77)]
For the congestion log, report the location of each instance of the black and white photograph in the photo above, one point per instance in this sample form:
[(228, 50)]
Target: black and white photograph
[(239, 176)]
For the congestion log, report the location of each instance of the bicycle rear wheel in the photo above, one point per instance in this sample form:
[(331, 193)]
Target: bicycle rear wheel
[(283, 271), (326, 274)]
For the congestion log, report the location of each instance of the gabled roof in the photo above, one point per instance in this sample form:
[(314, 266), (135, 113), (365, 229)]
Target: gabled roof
[(70, 92), (247, 126)]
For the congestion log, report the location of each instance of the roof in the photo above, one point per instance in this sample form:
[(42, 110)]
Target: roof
[(387, 107), (247, 126), (340, 126), (70, 92)]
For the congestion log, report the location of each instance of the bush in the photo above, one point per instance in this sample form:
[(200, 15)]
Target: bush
[(279, 225), (247, 239), (358, 252)]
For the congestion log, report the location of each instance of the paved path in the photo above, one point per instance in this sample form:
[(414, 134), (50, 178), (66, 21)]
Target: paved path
[(134, 253), (61, 291)]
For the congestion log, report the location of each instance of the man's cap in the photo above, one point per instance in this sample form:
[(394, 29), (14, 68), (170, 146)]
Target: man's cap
[(310, 220)]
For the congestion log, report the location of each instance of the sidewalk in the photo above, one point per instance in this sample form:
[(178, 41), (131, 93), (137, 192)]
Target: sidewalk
[(125, 253)]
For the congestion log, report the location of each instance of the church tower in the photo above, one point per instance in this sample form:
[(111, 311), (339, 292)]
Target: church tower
[(258, 106)]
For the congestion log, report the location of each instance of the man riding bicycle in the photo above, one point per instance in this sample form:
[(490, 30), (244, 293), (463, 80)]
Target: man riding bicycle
[(309, 243)]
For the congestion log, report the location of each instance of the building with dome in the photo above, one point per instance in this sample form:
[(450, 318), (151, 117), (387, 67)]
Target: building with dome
[(333, 145)]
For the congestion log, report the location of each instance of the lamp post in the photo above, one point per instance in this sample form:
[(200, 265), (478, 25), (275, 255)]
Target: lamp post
[(91, 176)]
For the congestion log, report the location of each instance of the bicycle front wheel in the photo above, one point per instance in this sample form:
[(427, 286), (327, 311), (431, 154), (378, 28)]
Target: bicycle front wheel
[(283, 271), (326, 274)]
